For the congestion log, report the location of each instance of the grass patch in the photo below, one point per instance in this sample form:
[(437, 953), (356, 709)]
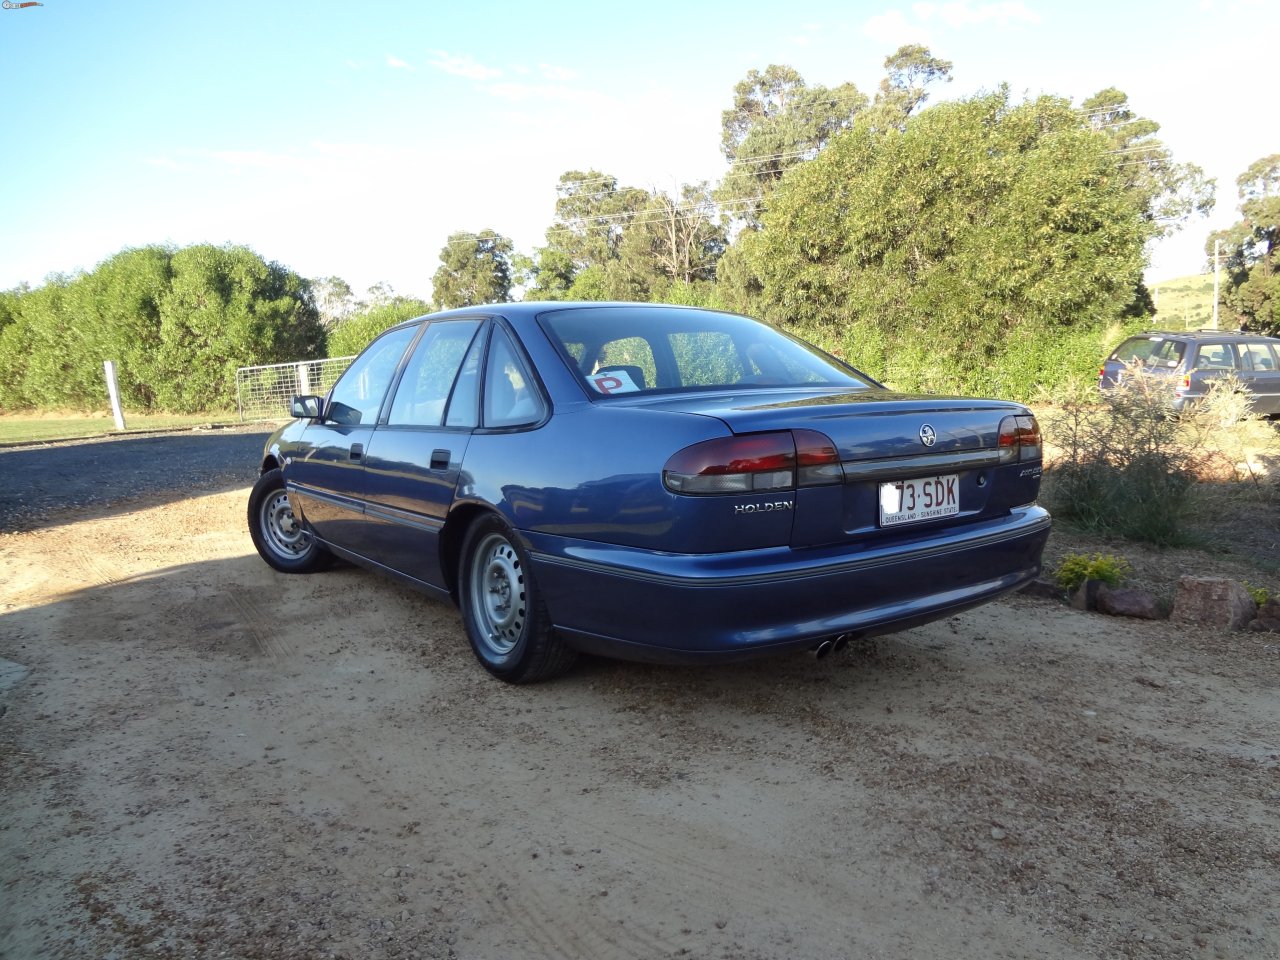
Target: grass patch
[(1183, 304), (37, 428)]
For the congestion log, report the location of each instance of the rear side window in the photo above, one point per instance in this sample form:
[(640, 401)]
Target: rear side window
[(1151, 351), (1216, 356), (510, 397), (1259, 357)]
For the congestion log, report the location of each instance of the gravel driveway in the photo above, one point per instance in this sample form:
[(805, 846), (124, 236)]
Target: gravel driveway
[(203, 758), (42, 483)]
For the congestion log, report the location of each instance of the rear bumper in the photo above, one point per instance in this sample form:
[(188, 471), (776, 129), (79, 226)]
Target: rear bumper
[(666, 607)]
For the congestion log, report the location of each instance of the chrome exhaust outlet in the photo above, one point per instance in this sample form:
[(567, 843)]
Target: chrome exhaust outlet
[(840, 642), (822, 649)]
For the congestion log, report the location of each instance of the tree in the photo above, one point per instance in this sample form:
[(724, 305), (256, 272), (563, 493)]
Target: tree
[(976, 229), (178, 322), (474, 268), (379, 294), (1171, 192), (592, 213), (910, 71), (776, 122), (334, 300), (1252, 294), (226, 308), (671, 241), (358, 330)]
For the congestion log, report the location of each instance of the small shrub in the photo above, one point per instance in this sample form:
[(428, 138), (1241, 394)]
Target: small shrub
[(1260, 594), (1076, 568), (1122, 469)]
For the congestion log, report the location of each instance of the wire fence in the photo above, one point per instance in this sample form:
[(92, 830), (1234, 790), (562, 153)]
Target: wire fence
[(264, 393)]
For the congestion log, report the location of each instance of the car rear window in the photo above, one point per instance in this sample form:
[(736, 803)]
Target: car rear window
[(1151, 351), (619, 350)]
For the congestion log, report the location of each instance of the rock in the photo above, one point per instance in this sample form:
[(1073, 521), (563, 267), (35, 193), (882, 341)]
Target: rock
[(1128, 602), (997, 833), (1268, 620), (1214, 601), (1086, 595)]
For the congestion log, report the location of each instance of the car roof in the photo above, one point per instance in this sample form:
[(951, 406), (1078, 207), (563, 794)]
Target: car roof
[(532, 308), (1206, 335)]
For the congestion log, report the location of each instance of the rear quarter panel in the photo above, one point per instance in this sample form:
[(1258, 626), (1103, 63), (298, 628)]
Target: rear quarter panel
[(595, 473)]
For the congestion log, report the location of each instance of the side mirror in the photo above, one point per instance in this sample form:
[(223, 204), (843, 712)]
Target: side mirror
[(307, 407)]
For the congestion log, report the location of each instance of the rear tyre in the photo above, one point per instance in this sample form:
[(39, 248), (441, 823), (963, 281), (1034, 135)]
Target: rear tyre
[(502, 610), (282, 540)]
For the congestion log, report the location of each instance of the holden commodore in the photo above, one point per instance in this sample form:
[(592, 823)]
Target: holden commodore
[(649, 482)]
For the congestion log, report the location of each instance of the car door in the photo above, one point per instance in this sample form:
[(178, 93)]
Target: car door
[(324, 475), (414, 458), (1213, 360), (1261, 374)]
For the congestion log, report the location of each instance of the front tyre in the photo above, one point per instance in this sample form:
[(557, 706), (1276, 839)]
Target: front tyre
[(502, 610), (282, 540)]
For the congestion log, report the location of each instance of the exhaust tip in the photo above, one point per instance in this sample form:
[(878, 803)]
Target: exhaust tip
[(840, 642), (822, 649)]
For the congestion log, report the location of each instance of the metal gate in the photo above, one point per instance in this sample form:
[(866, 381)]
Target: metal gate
[(263, 393)]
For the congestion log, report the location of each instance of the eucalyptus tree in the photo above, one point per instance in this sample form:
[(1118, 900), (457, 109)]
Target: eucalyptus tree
[(1252, 249), (776, 122), (474, 268), (1171, 192)]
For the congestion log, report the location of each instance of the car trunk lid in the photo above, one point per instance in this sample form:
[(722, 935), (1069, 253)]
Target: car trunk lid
[(908, 464)]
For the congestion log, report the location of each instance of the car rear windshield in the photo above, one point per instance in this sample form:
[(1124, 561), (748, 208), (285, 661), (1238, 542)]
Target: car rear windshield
[(619, 350), (1152, 351)]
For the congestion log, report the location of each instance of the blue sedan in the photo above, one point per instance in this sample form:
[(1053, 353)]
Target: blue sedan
[(649, 482)]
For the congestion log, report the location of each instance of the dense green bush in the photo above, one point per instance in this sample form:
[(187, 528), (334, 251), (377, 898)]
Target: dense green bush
[(176, 322), (356, 332)]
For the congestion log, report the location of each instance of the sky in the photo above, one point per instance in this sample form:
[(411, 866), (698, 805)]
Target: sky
[(351, 139)]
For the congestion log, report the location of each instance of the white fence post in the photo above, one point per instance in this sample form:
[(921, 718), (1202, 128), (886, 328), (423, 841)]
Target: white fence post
[(113, 391), (304, 377)]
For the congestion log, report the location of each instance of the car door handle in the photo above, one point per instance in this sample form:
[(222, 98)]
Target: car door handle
[(440, 459), (357, 451)]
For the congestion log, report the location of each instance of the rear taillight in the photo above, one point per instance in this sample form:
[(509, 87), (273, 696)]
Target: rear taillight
[(754, 463), (1020, 439)]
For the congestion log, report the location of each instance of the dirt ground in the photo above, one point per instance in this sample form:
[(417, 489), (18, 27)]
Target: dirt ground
[(200, 757)]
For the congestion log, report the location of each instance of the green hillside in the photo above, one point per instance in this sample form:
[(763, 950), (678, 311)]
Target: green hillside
[(1185, 303)]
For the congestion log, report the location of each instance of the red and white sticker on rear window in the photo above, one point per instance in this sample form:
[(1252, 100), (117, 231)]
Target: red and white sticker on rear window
[(614, 381)]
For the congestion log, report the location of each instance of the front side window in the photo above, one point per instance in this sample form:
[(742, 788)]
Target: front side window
[(357, 396), (429, 376)]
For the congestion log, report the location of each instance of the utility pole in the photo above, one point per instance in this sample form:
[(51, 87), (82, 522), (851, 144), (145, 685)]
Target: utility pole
[(1217, 245)]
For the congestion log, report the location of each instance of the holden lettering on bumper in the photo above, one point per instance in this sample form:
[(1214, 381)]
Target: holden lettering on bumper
[(763, 507)]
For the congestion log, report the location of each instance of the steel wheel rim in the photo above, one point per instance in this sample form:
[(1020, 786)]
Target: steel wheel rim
[(499, 604), (284, 534)]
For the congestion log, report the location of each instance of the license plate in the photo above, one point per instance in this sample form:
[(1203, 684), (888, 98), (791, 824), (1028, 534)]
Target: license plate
[(924, 498)]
